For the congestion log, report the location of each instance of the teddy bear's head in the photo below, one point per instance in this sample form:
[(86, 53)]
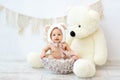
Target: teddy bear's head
[(82, 21)]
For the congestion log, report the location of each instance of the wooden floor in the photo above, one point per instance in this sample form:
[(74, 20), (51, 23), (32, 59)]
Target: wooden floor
[(20, 70)]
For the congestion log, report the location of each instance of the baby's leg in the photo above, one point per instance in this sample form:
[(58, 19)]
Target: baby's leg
[(50, 56), (66, 57), (75, 57)]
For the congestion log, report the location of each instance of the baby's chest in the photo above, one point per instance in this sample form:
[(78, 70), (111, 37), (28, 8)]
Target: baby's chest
[(55, 50)]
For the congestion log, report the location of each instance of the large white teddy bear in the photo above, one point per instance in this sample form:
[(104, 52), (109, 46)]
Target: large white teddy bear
[(87, 39)]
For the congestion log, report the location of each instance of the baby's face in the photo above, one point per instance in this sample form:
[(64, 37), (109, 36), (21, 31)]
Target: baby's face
[(56, 35)]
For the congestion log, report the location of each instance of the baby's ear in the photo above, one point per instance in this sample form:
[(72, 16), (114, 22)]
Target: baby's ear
[(47, 28), (63, 25)]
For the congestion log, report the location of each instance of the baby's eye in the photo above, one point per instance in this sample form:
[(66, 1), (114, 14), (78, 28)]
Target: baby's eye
[(53, 34), (59, 34)]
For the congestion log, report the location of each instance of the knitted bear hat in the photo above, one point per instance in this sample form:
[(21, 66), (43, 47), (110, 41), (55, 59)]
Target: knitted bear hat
[(62, 27)]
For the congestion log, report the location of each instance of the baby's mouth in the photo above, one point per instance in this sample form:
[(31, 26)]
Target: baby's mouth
[(56, 39)]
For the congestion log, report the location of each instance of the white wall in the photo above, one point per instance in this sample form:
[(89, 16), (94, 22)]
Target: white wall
[(13, 46), (111, 27)]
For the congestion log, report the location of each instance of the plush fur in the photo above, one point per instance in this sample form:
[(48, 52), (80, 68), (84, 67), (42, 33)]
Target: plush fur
[(34, 60), (87, 39)]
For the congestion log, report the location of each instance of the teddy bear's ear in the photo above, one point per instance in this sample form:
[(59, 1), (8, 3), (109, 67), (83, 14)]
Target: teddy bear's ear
[(63, 25), (46, 28), (94, 15), (68, 9)]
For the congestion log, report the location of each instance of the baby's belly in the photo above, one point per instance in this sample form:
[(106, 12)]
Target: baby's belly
[(56, 55)]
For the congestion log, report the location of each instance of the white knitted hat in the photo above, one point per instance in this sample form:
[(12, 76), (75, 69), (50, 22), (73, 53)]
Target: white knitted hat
[(59, 26)]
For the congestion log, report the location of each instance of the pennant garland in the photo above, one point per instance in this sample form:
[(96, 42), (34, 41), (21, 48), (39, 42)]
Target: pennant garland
[(23, 21), (1, 8), (11, 18)]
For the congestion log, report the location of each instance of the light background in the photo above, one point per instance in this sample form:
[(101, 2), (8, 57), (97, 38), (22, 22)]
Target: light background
[(16, 47)]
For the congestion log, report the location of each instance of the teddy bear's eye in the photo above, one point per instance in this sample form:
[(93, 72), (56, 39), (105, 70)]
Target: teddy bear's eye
[(79, 26)]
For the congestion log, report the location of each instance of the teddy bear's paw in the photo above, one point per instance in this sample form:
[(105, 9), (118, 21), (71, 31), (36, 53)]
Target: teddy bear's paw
[(100, 59), (34, 60), (84, 68)]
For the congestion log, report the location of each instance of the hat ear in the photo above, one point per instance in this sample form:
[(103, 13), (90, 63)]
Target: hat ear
[(63, 25), (47, 28)]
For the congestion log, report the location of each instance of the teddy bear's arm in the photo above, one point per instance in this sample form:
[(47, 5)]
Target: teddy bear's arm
[(100, 55)]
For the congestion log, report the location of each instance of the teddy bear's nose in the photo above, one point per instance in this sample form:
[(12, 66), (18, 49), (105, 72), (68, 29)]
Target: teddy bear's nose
[(72, 33)]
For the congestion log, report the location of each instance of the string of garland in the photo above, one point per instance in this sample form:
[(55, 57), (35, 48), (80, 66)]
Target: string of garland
[(22, 21)]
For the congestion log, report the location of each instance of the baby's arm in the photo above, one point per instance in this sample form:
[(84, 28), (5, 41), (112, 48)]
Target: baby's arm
[(44, 51), (72, 53), (66, 47)]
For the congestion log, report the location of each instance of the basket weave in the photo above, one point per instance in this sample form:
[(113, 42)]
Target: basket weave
[(62, 66)]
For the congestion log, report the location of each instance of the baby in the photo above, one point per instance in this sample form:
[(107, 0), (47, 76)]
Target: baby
[(59, 49)]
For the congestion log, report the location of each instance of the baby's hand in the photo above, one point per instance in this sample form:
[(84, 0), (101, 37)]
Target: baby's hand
[(43, 55), (75, 57), (64, 46)]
